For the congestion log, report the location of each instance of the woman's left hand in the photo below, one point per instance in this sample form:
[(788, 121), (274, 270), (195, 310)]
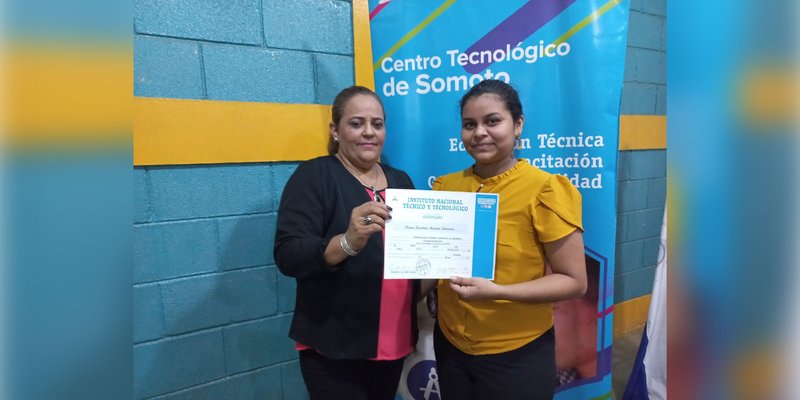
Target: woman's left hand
[(474, 288)]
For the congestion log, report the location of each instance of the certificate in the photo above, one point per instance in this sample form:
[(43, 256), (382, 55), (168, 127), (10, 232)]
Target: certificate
[(437, 234)]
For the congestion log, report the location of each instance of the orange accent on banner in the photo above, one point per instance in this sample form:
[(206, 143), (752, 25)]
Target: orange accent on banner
[(642, 132), (362, 44), (59, 93), (630, 315), (173, 131)]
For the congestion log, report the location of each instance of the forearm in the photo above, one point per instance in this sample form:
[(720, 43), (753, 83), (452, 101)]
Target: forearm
[(301, 257), (334, 252), (567, 281), (547, 289)]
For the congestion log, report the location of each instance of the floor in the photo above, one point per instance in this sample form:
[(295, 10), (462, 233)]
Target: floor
[(625, 349)]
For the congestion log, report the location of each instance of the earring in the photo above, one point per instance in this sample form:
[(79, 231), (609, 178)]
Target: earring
[(335, 139)]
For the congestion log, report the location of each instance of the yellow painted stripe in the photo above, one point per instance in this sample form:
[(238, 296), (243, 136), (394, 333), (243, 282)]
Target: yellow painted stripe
[(362, 44), (630, 315), (172, 131), (175, 131), (57, 92), (642, 132), (417, 29), (586, 21)]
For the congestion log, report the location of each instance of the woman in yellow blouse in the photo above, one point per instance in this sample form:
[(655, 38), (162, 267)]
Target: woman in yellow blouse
[(494, 339)]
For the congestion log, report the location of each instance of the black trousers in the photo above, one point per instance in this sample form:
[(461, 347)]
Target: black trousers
[(328, 379), (526, 373)]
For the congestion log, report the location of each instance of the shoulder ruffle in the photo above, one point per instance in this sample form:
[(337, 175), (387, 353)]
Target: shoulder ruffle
[(557, 212)]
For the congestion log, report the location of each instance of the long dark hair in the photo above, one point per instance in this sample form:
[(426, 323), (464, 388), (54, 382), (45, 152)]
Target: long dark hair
[(507, 94), (337, 110)]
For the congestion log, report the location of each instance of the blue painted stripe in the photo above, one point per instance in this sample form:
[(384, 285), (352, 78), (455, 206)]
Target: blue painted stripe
[(485, 229)]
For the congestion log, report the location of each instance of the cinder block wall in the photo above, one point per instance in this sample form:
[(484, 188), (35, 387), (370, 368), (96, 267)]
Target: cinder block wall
[(642, 182), (211, 311)]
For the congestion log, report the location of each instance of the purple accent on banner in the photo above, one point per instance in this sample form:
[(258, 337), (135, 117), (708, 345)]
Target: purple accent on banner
[(517, 27), (423, 381), (604, 361)]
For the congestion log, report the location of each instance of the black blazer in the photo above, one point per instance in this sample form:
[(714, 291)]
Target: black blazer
[(337, 310)]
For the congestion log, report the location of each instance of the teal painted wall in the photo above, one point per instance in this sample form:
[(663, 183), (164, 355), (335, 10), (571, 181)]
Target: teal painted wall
[(211, 311), (642, 174)]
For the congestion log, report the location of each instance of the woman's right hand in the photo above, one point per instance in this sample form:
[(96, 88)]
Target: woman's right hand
[(359, 230)]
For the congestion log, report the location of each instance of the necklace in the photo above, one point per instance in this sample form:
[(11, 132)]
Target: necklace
[(375, 193)]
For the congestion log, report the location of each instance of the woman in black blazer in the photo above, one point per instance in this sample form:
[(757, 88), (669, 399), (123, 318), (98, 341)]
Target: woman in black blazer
[(353, 328)]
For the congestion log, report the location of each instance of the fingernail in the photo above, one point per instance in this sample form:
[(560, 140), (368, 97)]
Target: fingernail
[(390, 208)]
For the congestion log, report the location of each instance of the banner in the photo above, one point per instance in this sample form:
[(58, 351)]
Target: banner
[(566, 59)]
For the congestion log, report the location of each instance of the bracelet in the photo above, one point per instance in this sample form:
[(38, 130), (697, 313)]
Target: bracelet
[(346, 247)]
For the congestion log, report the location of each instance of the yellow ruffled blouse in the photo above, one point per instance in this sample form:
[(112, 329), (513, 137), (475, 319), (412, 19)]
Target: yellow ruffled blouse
[(535, 207)]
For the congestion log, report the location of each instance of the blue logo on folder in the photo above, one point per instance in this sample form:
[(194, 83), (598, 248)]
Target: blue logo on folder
[(486, 203)]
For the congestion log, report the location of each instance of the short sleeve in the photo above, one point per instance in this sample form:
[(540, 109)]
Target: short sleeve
[(557, 211), (438, 183)]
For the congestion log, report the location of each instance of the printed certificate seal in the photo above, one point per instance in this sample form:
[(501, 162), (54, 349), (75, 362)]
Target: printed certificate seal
[(423, 266)]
